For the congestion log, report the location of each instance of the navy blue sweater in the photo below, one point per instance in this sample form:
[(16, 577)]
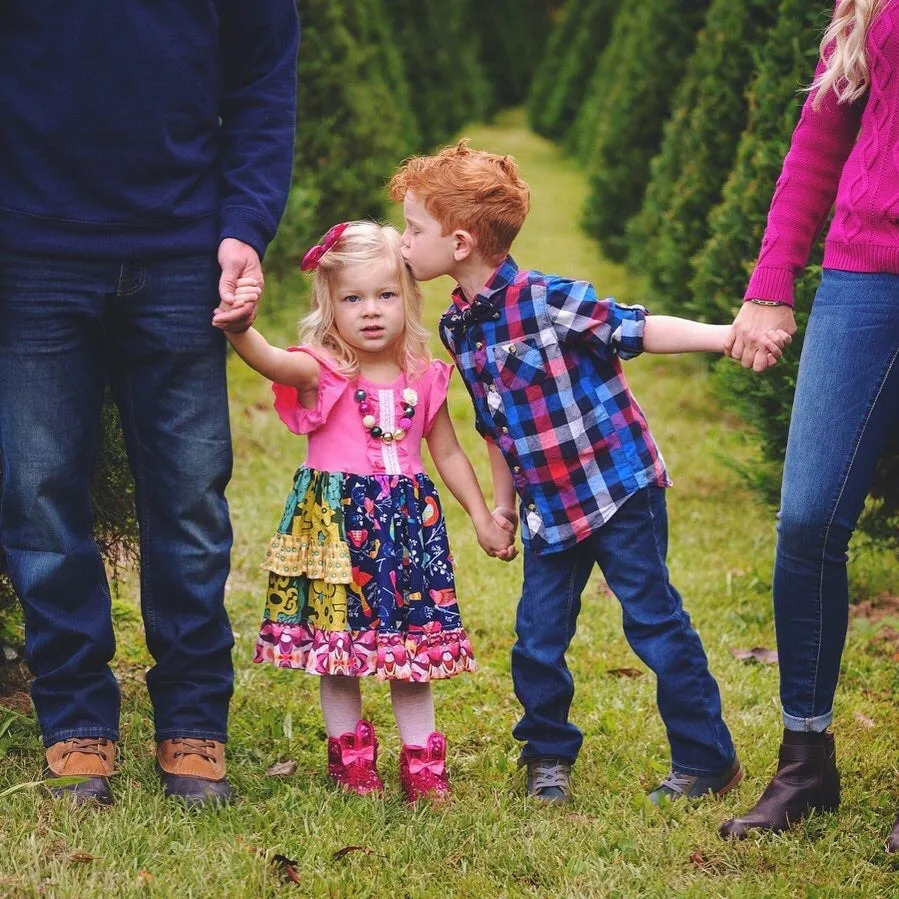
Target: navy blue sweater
[(142, 128)]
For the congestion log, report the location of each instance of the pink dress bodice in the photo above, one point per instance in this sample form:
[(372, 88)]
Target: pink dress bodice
[(338, 442)]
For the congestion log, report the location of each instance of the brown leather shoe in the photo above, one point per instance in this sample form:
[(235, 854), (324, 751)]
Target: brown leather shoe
[(893, 838), (806, 780), (194, 770), (90, 758)]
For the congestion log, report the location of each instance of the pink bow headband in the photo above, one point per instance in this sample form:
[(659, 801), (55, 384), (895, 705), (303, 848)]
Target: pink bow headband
[(314, 254)]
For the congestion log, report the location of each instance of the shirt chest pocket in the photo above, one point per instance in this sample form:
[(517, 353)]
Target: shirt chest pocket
[(518, 364)]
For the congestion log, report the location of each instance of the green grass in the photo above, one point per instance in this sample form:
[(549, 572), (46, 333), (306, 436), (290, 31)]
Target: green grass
[(489, 841)]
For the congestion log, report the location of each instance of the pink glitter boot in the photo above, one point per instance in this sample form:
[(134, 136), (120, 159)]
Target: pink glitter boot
[(352, 760), (423, 770)]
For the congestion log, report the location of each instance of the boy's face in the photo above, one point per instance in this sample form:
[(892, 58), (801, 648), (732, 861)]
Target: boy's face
[(428, 252)]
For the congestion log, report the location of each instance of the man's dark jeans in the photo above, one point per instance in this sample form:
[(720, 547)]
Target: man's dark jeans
[(630, 549), (67, 326)]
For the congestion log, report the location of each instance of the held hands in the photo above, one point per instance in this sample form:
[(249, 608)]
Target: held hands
[(759, 334), (240, 263), (245, 297), (496, 535)]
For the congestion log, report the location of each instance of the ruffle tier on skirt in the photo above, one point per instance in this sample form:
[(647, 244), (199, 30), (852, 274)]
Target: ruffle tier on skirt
[(361, 581)]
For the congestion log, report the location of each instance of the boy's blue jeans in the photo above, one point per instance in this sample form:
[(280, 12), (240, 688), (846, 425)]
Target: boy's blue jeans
[(67, 326), (845, 407), (630, 549)]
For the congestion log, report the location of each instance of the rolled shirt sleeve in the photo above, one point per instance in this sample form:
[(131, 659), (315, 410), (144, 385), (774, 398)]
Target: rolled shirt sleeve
[(604, 326)]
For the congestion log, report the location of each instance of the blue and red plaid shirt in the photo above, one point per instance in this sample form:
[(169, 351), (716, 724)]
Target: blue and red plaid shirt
[(541, 357)]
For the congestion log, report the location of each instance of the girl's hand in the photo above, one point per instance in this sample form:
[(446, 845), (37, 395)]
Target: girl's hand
[(496, 540), (246, 294)]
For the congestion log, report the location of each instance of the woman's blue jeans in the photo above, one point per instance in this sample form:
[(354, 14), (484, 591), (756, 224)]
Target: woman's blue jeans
[(68, 327), (630, 549), (846, 403)]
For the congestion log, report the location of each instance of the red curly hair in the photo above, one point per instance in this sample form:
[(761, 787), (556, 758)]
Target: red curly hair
[(471, 190)]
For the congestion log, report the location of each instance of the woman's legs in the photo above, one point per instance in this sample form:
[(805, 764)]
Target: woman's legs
[(847, 400), (846, 403)]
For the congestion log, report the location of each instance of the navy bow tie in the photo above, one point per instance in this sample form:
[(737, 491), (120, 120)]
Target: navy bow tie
[(478, 311)]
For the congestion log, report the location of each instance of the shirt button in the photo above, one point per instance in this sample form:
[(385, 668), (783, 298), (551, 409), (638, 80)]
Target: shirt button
[(532, 507), (505, 430), (511, 348), (516, 469), (491, 388), (479, 345)]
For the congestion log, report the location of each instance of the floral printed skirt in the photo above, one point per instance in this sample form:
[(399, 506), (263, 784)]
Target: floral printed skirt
[(361, 581)]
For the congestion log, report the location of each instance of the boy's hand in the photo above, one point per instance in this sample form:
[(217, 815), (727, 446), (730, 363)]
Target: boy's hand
[(246, 293), (508, 521), (771, 347), (497, 540), (506, 518)]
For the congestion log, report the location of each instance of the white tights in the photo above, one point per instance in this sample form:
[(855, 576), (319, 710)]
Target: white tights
[(413, 707)]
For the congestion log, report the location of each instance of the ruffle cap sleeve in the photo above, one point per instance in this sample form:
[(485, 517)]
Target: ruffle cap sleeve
[(436, 380), (331, 385)]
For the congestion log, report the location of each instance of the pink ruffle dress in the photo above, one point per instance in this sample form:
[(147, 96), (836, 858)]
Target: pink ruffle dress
[(360, 570)]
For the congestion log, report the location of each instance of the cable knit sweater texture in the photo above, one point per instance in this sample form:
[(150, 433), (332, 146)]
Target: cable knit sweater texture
[(847, 152)]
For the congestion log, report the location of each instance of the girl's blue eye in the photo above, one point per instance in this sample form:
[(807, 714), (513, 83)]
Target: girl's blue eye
[(388, 294), (352, 298)]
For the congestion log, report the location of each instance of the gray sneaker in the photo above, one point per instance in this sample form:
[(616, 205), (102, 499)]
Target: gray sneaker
[(677, 785), (549, 780)]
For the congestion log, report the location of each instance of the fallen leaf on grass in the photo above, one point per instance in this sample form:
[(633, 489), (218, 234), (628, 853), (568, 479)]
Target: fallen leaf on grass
[(281, 769), (756, 654), (699, 860), (82, 857), (625, 672), (144, 878), (864, 720), (348, 849), (287, 868)]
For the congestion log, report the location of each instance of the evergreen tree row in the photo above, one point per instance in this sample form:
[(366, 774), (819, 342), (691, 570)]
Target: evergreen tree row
[(626, 107), (683, 151), (380, 80)]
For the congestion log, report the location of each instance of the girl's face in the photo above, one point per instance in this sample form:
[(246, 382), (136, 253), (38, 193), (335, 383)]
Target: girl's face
[(368, 310)]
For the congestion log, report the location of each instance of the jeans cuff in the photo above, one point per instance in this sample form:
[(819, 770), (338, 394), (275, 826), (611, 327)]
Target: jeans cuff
[(818, 724), (179, 733), (702, 772), (106, 733)]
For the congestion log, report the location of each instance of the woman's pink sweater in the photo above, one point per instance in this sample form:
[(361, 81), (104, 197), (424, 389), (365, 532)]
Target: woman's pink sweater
[(845, 151)]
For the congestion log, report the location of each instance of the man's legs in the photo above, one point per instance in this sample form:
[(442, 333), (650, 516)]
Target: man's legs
[(51, 391), (169, 378)]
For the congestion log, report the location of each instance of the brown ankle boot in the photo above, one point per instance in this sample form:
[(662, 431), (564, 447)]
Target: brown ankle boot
[(893, 839), (806, 780), (193, 770), (89, 758)]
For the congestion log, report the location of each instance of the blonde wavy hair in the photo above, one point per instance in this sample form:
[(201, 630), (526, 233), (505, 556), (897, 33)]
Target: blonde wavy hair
[(364, 243), (843, 47)]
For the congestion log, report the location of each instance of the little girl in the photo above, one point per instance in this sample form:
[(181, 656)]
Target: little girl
[(360, 570)]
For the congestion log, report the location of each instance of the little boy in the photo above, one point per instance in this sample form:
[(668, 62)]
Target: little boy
[(540, 356)]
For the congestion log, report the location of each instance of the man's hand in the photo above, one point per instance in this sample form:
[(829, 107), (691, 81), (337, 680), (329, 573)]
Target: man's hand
[(750, 333), (239, 261)]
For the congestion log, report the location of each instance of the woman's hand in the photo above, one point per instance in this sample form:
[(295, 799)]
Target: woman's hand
[(749, 341)]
